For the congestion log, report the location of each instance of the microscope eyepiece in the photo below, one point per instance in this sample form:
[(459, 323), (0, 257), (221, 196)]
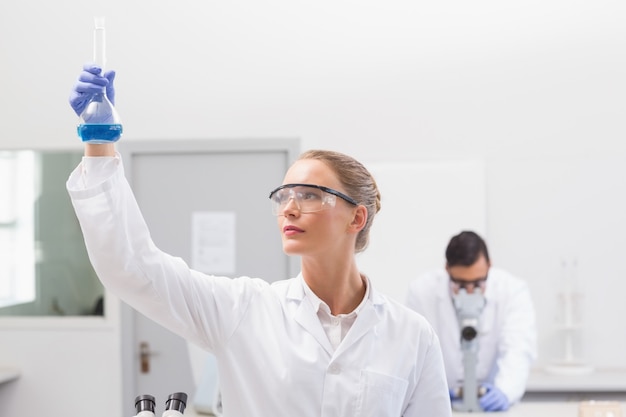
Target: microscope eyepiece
[(469, 333)]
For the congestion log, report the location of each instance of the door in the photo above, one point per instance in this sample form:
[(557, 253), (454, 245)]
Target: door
[(174, 181)]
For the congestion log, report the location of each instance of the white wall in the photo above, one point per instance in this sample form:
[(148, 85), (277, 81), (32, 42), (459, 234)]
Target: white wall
[(535, 89), (417, 218)]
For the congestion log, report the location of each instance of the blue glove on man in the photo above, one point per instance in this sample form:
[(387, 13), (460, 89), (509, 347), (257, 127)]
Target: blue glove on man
[(89, 83), (453, 395), (493, 399)]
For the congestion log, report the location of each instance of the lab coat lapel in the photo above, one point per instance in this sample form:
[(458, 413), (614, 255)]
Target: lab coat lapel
[(367, 318), (447, 326), (306, 317), (489, 314), (446, 321)]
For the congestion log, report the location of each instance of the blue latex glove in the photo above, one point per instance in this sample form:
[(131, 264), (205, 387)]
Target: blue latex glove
[(493, 399), (453, 395), (89, 83)]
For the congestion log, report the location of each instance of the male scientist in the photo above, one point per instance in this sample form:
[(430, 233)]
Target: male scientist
[(506, 334)]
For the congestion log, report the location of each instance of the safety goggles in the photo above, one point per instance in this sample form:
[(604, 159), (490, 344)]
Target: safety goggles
[(472, 285), (308, 198)]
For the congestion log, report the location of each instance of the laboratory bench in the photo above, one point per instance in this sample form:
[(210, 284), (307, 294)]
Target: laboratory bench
[(600, 380), (542, 409)]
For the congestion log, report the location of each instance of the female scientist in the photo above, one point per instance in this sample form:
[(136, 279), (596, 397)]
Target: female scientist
[(324, 343)]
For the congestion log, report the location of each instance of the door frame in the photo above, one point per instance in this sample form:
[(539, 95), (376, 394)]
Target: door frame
[(131, 148)]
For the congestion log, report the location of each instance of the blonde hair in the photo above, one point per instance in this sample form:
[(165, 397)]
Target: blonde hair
[(358, 183)]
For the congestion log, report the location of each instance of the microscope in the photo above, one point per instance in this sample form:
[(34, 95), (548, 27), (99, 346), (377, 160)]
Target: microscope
[(468, 310), (174, 406)]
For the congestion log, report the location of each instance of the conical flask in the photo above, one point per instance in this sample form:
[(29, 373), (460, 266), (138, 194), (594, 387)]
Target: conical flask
[(99, 123)]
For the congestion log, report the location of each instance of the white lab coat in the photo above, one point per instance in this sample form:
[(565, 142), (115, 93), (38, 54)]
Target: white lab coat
[(507, 336), (274, 358)]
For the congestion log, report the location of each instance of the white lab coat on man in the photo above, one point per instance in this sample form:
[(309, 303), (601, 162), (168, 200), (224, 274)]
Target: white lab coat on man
[(274, 357), (507, 335)]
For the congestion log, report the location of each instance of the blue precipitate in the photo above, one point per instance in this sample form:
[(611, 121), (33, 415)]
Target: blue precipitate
[(99, 133)]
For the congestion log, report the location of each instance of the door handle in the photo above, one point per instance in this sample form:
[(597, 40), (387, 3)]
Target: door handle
[(144, 357)]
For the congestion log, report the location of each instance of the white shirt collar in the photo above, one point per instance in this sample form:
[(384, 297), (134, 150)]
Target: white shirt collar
[(318, 303)]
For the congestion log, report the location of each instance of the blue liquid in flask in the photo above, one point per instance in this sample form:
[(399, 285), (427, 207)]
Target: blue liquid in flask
[(99, 133)]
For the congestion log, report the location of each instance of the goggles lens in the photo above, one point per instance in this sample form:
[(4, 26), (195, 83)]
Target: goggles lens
[(308, 198), (472, 285)]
